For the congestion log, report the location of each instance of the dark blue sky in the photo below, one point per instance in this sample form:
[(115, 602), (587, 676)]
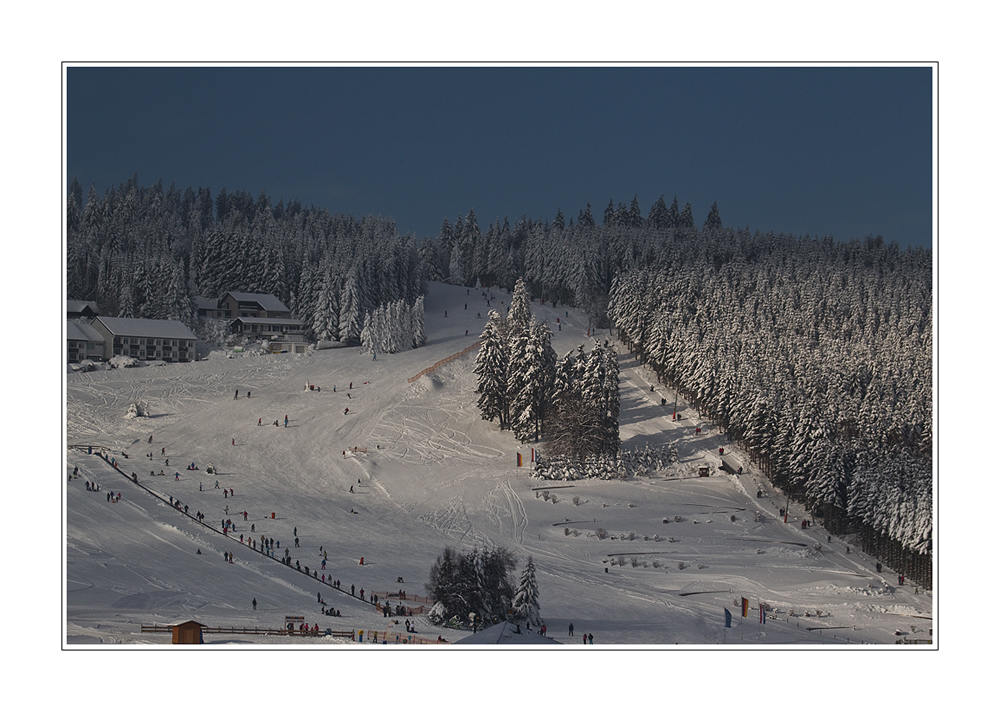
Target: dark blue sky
[(841, 151)]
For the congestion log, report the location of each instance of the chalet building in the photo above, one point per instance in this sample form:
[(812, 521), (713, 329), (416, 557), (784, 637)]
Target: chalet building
[(261, 306), (146, 339), (261, 316), (83, 342)]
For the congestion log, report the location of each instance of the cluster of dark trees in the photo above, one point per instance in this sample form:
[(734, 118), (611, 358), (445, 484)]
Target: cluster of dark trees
[(572, 262), (148, 251), (573, 402), (473, 587)]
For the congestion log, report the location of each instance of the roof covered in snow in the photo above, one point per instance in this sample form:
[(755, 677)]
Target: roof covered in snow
[(206, 303), (77, 330), (268, 302), (507, 633), (76, 306), (156, 328)]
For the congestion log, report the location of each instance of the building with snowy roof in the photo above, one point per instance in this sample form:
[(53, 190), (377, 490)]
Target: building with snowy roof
[(78, 308), (246, 304), (146, 339), (83, 342)]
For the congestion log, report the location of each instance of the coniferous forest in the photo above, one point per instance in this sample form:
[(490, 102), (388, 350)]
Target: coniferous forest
[(815, 355)]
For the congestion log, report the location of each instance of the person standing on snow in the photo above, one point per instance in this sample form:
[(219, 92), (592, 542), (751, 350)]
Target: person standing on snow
[(255, 604), (235, 397)]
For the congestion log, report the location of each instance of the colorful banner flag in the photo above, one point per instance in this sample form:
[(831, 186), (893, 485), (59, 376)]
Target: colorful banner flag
[(762, 616), (532, 454), (746, 607), (729, 618), (518, 459)]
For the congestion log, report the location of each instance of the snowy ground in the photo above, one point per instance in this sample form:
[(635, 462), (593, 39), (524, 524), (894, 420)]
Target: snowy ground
[(434, 474)]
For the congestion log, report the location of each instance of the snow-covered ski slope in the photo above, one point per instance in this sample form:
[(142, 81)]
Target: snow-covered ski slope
[(430, 473)]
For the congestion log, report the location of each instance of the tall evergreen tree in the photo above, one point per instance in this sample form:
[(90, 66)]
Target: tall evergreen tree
[(686, 219), (351, 314), (417, 327), (532, 377), (492, 367), (674, 214), (713, 221), (657, 218), (526, 606)]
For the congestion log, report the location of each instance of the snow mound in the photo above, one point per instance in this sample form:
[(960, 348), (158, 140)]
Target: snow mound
[(123, 361), (322, 345), (428, 382), (137, 410)]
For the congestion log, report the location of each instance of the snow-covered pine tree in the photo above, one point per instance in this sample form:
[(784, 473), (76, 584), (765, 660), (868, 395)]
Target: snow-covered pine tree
[(325, 319), (533, 393), (381, 336), (369, 341), (492, 366), (179, 304), (400, 326), (418, 330), (526, 606), (456, 267), (519, 313), (351, 315)]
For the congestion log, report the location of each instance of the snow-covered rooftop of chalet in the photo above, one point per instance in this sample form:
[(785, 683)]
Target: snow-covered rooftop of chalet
[(506, 633), (156, 328), (78, 305), (266, 301), (82, 331)]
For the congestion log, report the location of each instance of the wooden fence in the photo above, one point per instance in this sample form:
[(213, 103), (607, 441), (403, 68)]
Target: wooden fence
[(253, 631), (443, 361)]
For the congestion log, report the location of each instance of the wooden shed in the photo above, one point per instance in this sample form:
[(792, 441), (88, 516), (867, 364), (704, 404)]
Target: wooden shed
[(188, 633)]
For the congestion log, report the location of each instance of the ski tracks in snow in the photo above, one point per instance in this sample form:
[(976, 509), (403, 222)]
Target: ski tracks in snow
[(502, 515), (507, 510)]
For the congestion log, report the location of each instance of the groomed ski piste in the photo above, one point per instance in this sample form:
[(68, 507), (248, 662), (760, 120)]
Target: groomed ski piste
[(409, 469)]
